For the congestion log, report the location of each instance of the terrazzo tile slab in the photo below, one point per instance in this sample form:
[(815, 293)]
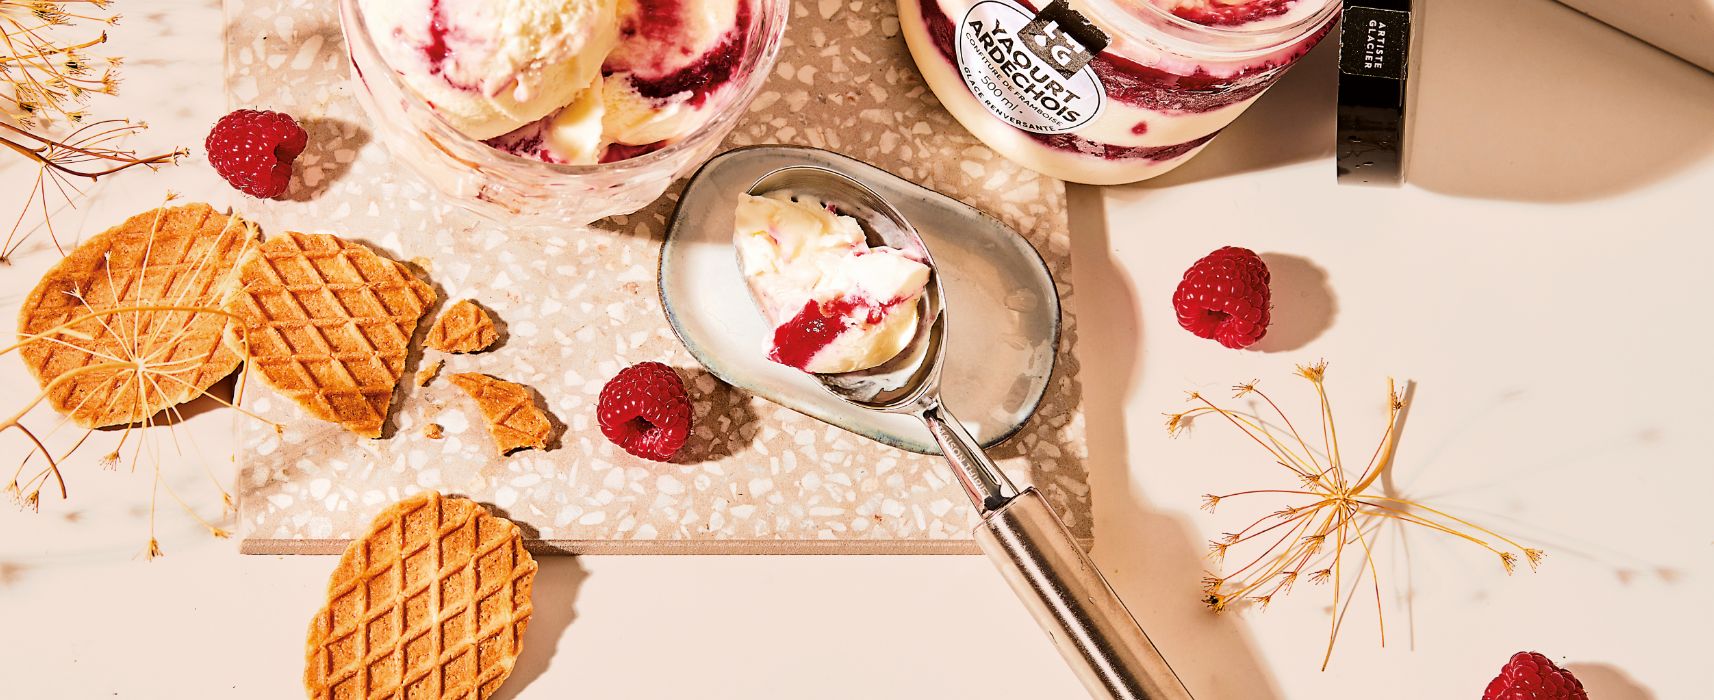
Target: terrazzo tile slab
[(576, 305)]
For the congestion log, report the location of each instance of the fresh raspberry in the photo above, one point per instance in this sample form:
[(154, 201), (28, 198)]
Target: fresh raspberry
[(1531, 676), (1225, 296), (646, 411), (254, 150)]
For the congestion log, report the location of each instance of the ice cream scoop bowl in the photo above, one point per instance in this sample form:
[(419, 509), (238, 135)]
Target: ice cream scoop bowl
[(1020, 532), (528, 193)]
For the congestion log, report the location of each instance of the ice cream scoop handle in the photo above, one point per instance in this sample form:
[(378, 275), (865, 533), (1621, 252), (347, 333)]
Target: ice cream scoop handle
[(983, 482), (1073, 603)]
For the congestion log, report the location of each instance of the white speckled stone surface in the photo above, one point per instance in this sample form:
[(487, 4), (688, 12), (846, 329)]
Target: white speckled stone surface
[(579, 304)]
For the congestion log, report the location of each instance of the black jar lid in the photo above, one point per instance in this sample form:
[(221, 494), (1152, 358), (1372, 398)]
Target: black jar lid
[(1374, 71)]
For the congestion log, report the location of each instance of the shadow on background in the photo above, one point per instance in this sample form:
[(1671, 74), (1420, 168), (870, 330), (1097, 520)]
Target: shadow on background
[(554, 599), (1524, 101), (333, 147), (732, 414), (1304, 304), (1607, 682), (1290, 123), (11, 573), (1153, 559), (1532, 101)]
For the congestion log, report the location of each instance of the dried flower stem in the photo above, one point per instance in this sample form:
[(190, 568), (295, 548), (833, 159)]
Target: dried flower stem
[(1337, 508), (45, 80), (85, 153), (85, 142), (132, 340), (48, 78)]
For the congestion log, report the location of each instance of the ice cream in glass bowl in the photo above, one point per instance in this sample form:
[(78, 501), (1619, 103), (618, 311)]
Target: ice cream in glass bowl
[(557, 112)]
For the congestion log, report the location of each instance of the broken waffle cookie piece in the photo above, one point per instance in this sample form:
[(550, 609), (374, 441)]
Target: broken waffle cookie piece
[(329, 323), (429, 371), (128, 323), (510, 409), (430, 603), (464, 327)]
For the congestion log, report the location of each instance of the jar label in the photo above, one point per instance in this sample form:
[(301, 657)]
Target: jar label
[(1032, 71), (1374, 42)]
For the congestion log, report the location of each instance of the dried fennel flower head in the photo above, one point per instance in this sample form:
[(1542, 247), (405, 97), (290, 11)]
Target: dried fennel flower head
[(1336, 510), (49, 70), (126, 344)]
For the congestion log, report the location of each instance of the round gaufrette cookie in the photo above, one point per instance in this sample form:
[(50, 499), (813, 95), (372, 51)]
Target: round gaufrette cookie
[(328, 323), (430, 603), (128, 323)]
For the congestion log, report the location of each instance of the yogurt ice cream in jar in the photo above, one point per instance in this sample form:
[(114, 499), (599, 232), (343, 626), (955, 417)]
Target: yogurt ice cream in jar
[(1106, 91)]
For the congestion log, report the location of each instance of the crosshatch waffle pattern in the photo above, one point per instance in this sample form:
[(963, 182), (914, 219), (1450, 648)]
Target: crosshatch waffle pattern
[(329, 325), (431, 603), (463, 327), (181, 257), (510, 410)]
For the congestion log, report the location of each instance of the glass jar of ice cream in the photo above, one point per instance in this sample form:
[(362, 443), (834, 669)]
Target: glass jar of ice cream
[(1106, 91), (557, 112)]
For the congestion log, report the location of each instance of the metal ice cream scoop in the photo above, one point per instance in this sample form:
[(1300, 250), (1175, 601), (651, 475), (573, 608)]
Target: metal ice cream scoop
[(1020, 531)]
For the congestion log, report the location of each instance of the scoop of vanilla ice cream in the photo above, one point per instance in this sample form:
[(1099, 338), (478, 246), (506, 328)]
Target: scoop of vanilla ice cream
[(808, 264), (787, 248), (876, 334), (630, 118), (611, 111), (883, 274), (660, 45), (489, 67), (661, 37)]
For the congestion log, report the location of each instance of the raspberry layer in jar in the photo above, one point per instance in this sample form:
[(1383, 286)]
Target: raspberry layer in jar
[(1173, 74)]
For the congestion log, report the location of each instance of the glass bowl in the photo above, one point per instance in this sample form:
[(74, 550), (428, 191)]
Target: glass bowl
[(524, 191)]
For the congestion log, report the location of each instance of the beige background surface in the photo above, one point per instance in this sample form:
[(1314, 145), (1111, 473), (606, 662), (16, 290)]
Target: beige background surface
[(1542, 281), (1682, 27)]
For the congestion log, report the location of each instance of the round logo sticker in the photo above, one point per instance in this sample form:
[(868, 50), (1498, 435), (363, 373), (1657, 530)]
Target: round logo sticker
[(1028, 70)]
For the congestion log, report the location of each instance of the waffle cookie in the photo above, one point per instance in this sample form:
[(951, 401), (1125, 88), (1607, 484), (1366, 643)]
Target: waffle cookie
[(511, 412), (329, 324), (463, 327), (429, 371), (431, 602), (181, 257)]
